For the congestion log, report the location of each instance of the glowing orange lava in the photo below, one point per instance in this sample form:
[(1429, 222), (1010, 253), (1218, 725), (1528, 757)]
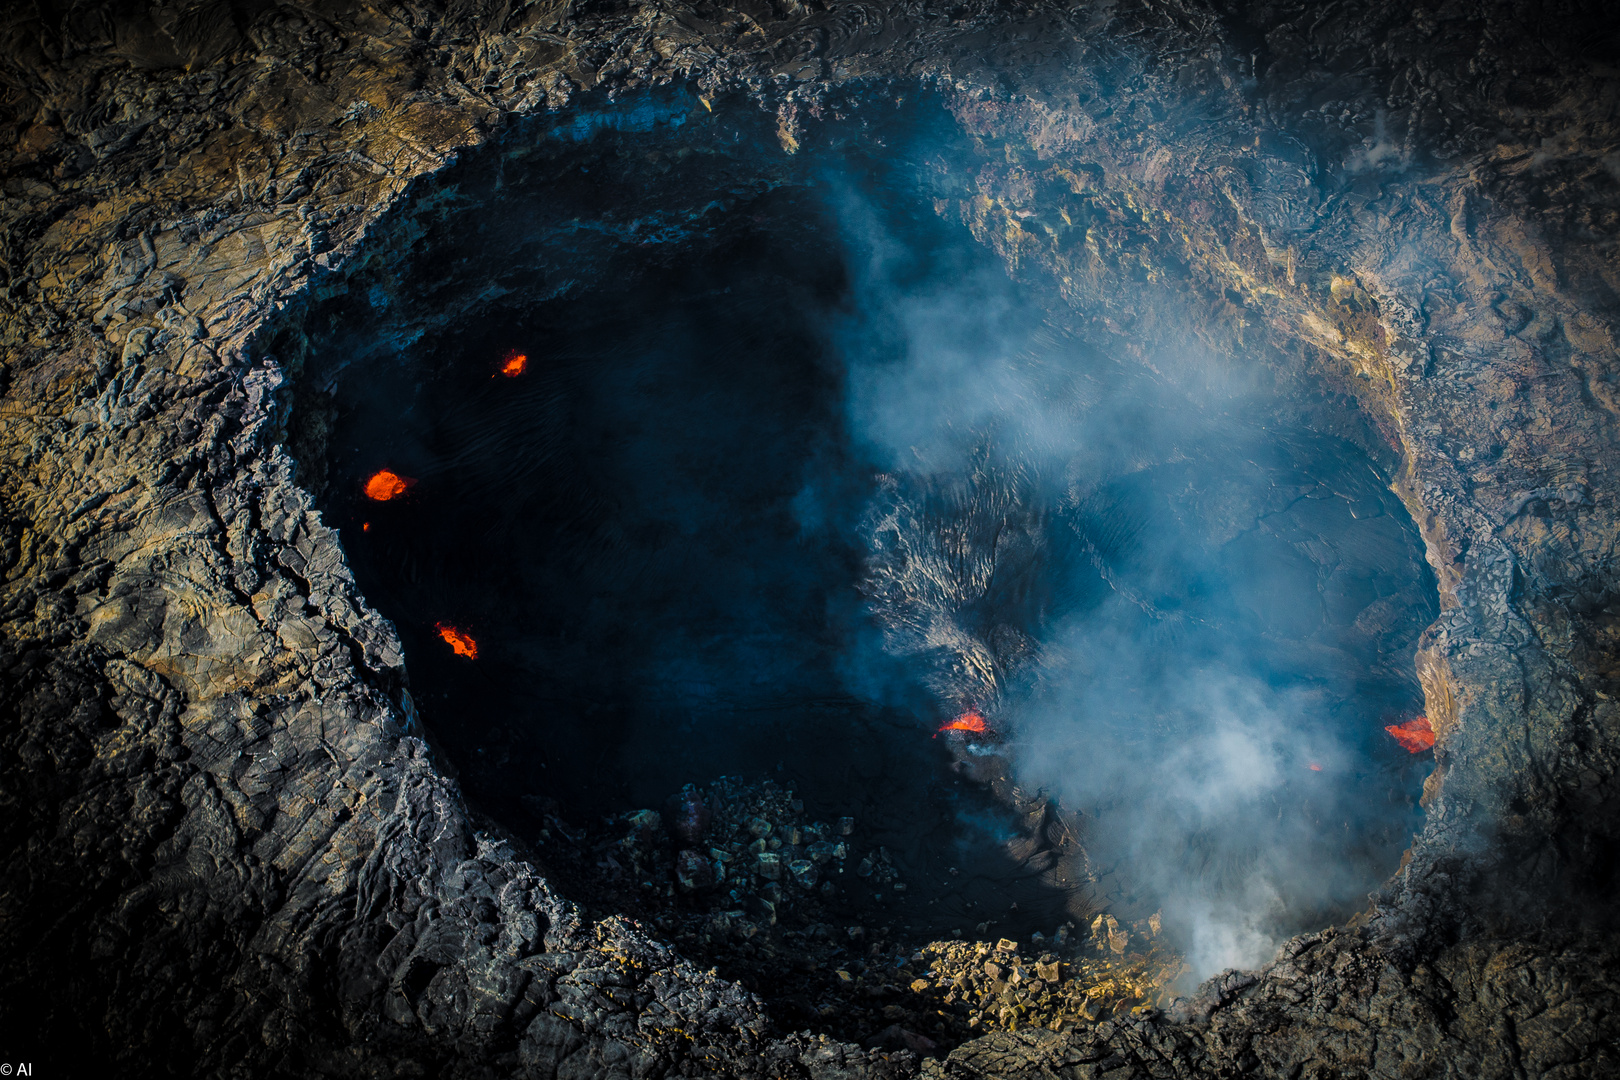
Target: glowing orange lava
[(514, 364), (968, 721), (386, 484), (365, 526), (460, 641), (1416, 734)]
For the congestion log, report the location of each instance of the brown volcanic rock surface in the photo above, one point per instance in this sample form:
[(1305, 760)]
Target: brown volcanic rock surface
[(221, 855)]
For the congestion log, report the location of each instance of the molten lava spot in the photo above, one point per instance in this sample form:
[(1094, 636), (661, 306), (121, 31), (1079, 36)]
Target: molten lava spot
[(365, 526), (969, 721), (1416, 734), (459, 640), (386, 484), (514, 364)]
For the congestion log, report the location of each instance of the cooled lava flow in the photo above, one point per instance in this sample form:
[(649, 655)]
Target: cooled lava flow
[(968, 721), (1416, 734), (514, 364), (386, 484), (459, 640)]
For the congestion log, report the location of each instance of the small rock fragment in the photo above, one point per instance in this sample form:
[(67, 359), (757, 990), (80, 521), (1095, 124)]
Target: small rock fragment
[(693, 872), (821, 851), (1107, 935), (645, 825), (763, 910)]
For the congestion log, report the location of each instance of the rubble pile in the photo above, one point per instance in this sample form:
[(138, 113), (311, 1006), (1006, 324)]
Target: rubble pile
[(721, 864), (736, 850), (741, 880), (1061, 981)]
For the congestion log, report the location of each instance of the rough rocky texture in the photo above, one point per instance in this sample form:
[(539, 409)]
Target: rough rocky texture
[(222, 855)]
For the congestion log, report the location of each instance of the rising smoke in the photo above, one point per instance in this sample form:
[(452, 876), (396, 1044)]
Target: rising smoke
[(1179, 621), (1147, 597)]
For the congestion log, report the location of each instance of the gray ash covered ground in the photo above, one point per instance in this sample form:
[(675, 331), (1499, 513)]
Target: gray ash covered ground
[(738, 877)]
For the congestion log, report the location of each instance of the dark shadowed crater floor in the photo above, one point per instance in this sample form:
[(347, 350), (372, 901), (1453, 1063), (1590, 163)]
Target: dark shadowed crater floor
[(654, 534)]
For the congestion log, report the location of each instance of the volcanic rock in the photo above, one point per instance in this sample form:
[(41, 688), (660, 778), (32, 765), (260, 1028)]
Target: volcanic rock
[(646, 825), (225, 853), (693, 872)]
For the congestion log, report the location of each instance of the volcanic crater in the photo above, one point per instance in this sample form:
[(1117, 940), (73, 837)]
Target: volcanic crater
[(810, 540), (606, 417)]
